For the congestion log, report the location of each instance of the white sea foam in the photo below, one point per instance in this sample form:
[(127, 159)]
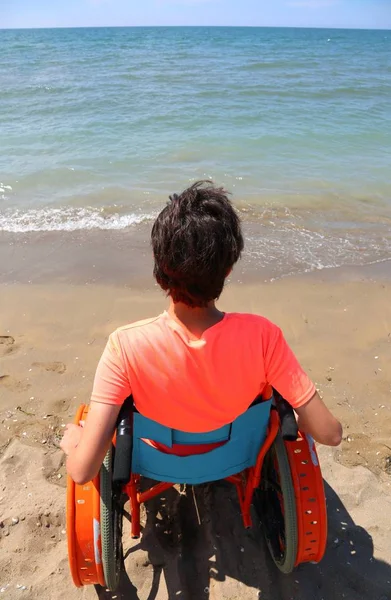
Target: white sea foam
[(68, 219)]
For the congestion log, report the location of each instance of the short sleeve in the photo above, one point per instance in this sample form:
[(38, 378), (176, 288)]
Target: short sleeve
[(111, 383), (284, 372)]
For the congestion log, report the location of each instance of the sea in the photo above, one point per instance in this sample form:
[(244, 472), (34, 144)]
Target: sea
[(99, 125)]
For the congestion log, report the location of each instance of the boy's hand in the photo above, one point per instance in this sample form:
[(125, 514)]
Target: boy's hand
[(71, 438)]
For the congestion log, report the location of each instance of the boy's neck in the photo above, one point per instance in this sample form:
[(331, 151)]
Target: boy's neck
[(196, 320)]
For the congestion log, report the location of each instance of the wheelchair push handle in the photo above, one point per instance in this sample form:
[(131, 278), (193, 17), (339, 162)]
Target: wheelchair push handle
[(124, 444), (289, 428)]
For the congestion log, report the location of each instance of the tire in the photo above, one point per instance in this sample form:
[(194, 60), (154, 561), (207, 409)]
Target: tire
[(275, 504), (111, 524)]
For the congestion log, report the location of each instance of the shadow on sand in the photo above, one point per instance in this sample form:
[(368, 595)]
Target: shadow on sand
[(188, 560)]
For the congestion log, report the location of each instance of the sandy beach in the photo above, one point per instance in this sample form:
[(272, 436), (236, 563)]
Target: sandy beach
[(51, 337), (100, 123)]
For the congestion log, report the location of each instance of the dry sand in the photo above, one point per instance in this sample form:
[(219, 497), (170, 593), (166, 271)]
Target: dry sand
[(51, 337)]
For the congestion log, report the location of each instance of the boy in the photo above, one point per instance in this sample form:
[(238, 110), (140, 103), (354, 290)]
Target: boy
[(193, 367)]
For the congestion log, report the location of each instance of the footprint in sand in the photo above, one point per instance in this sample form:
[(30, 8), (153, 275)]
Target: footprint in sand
[(54, 367), (48, 519), (51, 523), (7, 344), (46, 524), (13, 384)]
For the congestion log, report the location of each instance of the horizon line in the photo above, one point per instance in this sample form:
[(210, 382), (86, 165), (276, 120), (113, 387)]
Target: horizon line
[(332, 27)]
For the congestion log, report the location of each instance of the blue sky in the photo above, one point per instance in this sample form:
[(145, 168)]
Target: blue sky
[(296, 13)]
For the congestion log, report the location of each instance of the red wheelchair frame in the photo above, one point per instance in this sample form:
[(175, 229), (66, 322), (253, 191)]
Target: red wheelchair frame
[(83, 505)]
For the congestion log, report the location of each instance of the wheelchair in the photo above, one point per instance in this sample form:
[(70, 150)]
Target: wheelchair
[(274, 467)]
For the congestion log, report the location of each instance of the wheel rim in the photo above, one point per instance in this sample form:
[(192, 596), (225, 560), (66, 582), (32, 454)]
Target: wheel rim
[(83, 527), (310, 499)]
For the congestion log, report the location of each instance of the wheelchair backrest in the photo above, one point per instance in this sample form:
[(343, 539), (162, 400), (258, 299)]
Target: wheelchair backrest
[(242, 441)]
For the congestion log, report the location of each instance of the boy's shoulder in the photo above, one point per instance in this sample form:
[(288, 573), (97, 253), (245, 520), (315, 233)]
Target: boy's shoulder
[(252, 319), (254, 326), (138, 324), (241, 322)]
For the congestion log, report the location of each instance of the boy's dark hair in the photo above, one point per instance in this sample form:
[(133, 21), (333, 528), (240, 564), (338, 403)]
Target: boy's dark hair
[(196, 240)]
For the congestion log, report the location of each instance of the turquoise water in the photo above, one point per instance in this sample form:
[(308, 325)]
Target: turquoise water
[(98, 125)]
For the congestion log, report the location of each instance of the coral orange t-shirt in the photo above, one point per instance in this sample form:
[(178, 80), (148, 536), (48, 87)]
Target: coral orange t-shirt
[(198, 385)]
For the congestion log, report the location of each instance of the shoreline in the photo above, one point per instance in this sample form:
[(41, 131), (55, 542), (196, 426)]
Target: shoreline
[(124, 258)]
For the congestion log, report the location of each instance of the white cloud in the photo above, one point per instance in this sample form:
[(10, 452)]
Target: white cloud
[(313, 3)]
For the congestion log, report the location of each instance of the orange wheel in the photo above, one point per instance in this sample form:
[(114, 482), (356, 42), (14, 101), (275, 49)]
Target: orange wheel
[(84, 528), (310, 499)]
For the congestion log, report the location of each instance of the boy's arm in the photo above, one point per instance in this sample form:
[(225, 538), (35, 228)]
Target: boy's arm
[(285, 374), (315, 418), (86, 446)]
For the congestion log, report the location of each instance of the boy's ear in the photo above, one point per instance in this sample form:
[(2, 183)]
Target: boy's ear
[(229, 272)]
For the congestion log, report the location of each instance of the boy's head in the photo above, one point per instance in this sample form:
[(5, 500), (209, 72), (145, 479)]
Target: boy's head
[(196, 241)]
